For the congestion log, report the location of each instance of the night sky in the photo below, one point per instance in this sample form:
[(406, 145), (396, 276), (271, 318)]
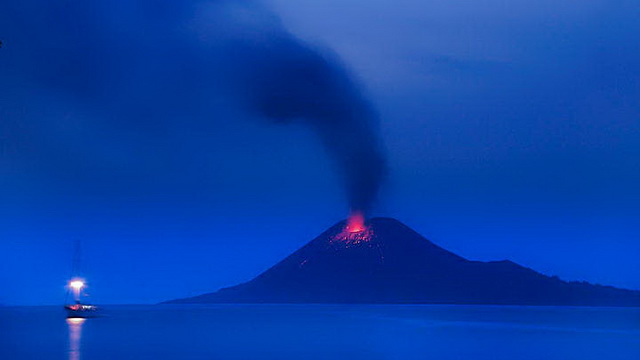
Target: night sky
[(511, 131)]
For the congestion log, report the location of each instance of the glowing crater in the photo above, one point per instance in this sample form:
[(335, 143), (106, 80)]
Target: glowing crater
[(355, 232)]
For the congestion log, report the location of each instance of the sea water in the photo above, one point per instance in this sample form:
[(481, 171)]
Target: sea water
[(426, 332)]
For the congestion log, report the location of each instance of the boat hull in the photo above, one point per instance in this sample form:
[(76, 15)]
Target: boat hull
[(81, 311)]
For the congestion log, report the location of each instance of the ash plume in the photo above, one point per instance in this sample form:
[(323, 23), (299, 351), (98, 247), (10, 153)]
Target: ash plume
[(178, 64), (286, 80), (297, 83)]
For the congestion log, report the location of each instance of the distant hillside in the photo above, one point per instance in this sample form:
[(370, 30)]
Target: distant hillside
[(390, 263)]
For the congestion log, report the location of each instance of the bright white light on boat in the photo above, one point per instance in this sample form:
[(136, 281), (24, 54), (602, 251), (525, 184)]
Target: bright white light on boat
[(76, 284)]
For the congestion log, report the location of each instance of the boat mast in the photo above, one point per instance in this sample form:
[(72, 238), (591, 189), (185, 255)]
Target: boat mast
[(76, 284), (75, 267)]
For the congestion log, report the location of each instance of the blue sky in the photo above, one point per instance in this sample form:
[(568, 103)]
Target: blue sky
[(511, 129)]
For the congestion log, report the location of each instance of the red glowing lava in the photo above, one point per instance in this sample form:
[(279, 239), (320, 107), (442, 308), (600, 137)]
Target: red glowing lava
[(355, 223), (355, 232)]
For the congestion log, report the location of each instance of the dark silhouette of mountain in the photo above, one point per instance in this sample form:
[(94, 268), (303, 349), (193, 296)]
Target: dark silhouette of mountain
[(391, 263)]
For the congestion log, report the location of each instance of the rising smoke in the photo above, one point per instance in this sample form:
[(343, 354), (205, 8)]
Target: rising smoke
[(175, 60), (291, 81), (285, 80), (296, 83)]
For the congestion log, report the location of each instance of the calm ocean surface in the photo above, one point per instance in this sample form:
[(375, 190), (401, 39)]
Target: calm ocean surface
[(323, 332)]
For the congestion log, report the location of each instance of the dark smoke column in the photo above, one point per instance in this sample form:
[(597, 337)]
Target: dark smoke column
[(294, 82)]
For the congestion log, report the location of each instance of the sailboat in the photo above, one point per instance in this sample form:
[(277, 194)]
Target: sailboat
[(76, 286)]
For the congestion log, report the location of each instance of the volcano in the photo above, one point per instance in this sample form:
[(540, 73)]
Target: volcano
[(387, 262)]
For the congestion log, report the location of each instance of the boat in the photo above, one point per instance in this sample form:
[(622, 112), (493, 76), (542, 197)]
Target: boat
[(81, 311), (76, 286), (78, 309)]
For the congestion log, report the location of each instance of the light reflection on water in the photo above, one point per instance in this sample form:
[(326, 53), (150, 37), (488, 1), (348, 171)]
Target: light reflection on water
[(75, 335)]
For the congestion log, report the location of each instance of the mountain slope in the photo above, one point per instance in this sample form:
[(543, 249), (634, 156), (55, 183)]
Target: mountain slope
[(390, 263)]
